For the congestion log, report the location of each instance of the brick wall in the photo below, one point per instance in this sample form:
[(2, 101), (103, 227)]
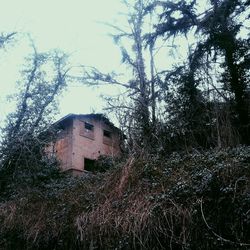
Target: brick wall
[(84, 137)]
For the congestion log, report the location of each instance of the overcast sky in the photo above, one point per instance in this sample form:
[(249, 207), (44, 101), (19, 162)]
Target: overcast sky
[(73, 26)]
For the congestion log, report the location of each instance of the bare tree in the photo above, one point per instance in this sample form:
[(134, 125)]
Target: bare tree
[(6, 38), (139, 108), (25, 134)]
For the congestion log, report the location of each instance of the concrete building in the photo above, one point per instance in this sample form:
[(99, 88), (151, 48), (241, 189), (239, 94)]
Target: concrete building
[(82, 139)]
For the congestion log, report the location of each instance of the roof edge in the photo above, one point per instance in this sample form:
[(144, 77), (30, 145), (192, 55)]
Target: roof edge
[(99, 116)]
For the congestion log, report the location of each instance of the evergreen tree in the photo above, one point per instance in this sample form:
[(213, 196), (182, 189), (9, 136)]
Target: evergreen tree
[(218, 31)]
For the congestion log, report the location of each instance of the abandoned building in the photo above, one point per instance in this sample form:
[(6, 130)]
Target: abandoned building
[(82, 139)]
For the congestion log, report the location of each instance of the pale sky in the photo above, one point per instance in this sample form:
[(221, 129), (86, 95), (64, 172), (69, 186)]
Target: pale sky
[(73, 26)]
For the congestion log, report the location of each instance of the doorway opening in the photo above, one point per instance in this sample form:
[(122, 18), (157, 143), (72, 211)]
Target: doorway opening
[(89, 164)]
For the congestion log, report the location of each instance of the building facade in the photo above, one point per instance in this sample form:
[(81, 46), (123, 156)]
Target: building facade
[(81, 139)]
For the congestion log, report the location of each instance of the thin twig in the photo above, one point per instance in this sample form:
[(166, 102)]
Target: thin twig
[(217, 235)]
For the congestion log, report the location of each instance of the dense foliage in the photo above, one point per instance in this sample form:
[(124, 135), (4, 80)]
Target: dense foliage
[(184, 201), (202, 100), (201, 95)]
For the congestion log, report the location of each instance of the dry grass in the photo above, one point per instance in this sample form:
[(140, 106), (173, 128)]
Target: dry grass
[(146, 203)]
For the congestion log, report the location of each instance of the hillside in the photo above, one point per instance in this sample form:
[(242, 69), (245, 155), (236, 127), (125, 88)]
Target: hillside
[(182, 201)]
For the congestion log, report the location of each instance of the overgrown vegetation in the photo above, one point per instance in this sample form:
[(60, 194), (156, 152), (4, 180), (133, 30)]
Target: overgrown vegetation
[(183, 182), (195, 201), (201, 100)]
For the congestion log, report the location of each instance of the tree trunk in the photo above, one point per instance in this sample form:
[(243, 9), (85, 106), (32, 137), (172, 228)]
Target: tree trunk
[(238, 89), (153, 98)]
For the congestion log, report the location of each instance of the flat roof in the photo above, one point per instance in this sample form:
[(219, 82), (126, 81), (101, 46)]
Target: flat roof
[(97, 116)]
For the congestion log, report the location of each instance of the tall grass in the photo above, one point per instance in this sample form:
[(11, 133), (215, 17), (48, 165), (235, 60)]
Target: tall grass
[(195, 201)]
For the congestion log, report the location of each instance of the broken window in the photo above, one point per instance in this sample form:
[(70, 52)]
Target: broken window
[(107, 137), (87, 130), (88, 126), (107, 133)]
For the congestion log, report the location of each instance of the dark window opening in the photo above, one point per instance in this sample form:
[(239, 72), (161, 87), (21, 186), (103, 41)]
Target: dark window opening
[(107, 133), (89, 126), (89, 164)]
